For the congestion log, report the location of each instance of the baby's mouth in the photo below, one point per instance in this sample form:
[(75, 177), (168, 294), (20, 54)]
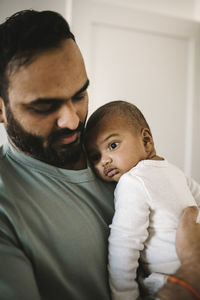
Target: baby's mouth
[(111, 172)]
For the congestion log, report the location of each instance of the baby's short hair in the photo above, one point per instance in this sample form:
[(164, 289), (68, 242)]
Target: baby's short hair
[(133, 115)]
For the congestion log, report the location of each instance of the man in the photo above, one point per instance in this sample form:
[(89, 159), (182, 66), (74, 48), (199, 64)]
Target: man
[(54, 212)]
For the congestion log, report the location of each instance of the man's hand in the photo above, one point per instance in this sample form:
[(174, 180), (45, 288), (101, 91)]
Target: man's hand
[(188, 236), (188, 250)]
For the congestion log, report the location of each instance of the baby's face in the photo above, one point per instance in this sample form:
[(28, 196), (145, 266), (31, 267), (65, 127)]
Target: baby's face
[(114, 148)]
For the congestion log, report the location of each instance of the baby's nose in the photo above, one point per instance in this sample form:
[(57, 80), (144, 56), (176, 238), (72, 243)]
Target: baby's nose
[(106, 159)]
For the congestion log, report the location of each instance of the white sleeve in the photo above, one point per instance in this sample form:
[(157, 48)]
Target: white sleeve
[(195, 190), (128, 233)]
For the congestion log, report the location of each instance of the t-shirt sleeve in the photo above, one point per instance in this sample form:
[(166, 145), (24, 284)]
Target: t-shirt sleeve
[(127, 237), (17, 281)]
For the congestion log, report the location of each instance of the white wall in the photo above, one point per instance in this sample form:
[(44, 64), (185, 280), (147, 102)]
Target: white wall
[(188, 9), (197, 10), (8, 7)]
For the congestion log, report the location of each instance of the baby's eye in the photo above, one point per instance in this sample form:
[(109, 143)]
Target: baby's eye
[(113, 145)]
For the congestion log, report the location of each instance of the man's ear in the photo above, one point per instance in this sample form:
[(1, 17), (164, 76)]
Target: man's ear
[(2, 108), (147, 139)]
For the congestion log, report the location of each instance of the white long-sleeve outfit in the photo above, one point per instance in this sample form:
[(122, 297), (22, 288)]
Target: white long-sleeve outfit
[(149, 200)]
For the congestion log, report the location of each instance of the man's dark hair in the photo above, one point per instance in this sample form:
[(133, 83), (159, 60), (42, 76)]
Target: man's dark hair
[(129, 111), (24, 35)]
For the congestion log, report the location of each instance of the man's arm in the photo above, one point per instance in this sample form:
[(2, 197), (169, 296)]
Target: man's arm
[(188, 250), (17, 281), (17, 278)]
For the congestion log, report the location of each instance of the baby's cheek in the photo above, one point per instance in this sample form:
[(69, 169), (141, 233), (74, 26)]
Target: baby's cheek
[(99, 172)]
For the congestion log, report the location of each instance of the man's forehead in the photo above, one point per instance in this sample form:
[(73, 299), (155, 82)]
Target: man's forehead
[(53, 72), (68, 47)]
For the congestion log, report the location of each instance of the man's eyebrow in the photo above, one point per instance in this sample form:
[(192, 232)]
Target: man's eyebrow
[(54, 99)]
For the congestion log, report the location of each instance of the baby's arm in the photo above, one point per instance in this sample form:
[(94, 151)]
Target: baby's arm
[(128, 233)]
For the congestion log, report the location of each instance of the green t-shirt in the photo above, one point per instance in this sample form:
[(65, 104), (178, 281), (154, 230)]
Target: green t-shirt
[(53, 231)]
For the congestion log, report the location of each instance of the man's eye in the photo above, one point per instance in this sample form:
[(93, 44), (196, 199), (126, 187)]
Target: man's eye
[(113, 145), (44, 108), (79, 97)]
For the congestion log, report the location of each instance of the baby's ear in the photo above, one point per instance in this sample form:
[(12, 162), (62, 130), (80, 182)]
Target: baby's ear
[(1, 110), (147, 139)]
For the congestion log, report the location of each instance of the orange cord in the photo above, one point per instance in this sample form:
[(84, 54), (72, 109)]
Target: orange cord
[(185, 284)]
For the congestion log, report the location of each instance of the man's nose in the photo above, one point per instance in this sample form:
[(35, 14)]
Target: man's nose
[(68, 117)]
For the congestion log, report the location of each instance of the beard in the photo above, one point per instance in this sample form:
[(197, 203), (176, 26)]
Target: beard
[(58, 155)]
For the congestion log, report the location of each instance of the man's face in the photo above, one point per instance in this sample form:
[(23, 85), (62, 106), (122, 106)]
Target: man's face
[(47, 106)]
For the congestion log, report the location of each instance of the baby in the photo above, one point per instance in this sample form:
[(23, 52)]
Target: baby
[(149, 198)]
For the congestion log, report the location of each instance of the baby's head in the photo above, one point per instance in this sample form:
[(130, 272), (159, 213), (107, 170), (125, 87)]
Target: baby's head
[(117, 137)]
